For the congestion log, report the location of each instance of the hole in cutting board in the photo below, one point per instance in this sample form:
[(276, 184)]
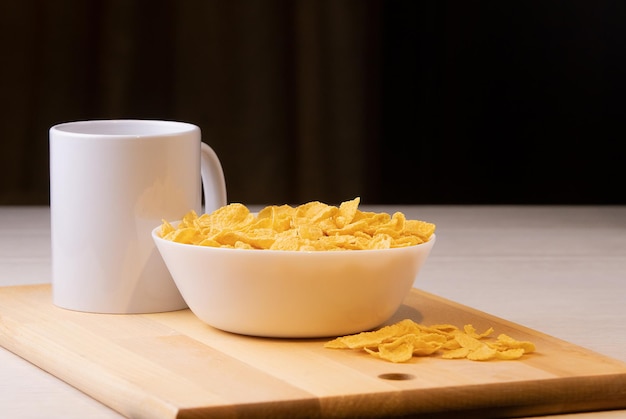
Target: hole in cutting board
[(396, 376)]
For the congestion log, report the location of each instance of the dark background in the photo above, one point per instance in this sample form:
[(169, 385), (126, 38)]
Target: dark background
[(399, 102), (512, 102)]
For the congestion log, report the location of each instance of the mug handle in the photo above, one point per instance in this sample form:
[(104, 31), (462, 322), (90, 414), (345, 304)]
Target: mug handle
[(213, 182)]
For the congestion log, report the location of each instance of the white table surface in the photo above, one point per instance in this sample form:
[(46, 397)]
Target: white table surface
[(558, 269)]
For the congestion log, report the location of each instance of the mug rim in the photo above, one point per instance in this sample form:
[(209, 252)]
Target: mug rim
[(121, 128)]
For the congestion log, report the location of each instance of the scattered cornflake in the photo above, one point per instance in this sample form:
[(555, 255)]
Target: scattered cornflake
[(401, 341)]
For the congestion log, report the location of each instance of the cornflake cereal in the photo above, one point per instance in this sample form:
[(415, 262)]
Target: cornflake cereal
[(308, 227), (402, 341)]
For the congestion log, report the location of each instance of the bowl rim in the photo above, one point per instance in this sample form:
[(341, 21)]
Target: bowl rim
[(156, 236)]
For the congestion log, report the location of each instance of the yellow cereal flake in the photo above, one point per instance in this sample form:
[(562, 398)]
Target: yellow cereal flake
[(313, 226), (402, 341), (399, 350), (506, 342), (470, 331)]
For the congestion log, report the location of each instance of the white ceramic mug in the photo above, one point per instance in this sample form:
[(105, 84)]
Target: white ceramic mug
[(111, 183)]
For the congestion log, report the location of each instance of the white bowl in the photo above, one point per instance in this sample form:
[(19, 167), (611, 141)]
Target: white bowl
[(292, 294)]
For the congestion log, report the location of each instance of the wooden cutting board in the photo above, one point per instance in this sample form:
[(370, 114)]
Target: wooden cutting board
[(171, 365)]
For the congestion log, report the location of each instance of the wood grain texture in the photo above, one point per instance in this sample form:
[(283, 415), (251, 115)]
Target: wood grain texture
[(169, 365)]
